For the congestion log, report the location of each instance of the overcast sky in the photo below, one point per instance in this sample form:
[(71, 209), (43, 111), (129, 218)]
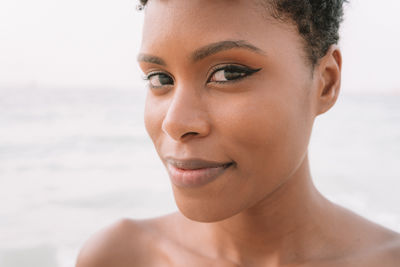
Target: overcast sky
[(93, 43)]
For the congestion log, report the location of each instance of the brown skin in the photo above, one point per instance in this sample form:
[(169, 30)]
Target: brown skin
[(264, 210)]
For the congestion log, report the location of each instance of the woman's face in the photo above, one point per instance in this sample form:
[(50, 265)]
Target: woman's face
[(228, 84)]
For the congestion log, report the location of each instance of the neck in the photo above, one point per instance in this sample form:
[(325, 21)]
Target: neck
[(278, 229)]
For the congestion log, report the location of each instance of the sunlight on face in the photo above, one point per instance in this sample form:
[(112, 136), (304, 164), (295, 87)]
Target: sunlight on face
[(233, 90)]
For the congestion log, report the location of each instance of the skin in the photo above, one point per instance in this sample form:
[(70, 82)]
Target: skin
[(264, 210)]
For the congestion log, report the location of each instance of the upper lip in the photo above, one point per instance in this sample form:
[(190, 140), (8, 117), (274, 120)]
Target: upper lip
[(195, 163)]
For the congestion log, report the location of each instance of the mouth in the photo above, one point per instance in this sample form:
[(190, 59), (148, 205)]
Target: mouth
[(195, 172)]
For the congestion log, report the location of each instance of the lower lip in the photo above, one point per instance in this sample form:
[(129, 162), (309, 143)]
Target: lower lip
[(195, 178)]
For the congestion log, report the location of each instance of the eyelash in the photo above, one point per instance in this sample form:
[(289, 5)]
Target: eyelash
[(229, 67), (148, 77), (233, 68)]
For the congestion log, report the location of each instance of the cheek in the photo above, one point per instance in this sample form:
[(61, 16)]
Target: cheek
[(153, 116), (266, 136)]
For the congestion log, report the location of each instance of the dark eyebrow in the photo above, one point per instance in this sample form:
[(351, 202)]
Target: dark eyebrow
[(151, 59), (205, 51), (214, 48)]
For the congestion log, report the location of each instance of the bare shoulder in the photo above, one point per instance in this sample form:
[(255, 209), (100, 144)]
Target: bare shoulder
[(372, 245), (385, 254), (390, 252), (124, 243)]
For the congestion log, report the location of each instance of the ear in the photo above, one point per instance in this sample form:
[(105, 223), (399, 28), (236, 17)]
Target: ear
[(328, 73)]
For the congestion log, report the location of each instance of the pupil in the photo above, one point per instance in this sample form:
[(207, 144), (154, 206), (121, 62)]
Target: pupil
[(232, 75), (165, 79)]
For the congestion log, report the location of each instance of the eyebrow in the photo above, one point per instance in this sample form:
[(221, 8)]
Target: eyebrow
[(206, 51), (151, 59), (214, 48)]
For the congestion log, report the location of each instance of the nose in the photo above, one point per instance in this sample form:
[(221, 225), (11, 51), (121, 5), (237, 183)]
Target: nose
[(186, 116)]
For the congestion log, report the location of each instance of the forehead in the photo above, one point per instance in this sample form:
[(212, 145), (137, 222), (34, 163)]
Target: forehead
[(185, 25)]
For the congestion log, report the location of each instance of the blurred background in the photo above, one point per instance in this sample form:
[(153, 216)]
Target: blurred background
[(74, 155)]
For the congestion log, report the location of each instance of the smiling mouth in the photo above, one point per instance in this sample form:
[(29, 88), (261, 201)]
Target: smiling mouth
[(195, 172)]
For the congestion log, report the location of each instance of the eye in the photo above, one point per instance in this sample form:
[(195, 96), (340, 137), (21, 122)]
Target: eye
[(159, 79), (230, 73)]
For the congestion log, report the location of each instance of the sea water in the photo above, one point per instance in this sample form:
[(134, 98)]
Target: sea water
[(75, 160)]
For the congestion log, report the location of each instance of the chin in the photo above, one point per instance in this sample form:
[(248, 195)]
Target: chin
[(207, 209), (205, 216)]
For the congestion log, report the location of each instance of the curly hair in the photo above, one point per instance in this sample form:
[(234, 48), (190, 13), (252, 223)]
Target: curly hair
[(317, 21)]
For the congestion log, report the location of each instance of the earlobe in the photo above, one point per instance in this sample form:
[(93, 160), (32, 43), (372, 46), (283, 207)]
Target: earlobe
[(329, 70)]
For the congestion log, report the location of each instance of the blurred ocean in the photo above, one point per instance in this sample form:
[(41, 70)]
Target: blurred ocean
[(73, 161)]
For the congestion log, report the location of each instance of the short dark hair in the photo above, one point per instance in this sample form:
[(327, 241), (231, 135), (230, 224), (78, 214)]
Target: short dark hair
[(317, 21)]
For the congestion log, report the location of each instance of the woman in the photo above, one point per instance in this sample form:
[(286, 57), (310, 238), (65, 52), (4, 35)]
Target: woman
[(234, 88)]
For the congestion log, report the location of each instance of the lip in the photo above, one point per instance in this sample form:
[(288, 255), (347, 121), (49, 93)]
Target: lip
[(194, 172)]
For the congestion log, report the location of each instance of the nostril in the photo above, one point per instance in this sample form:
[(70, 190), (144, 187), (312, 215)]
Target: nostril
[(189, 133)]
